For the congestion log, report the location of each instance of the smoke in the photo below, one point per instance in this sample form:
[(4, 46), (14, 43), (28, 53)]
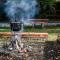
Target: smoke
[(21, 10)]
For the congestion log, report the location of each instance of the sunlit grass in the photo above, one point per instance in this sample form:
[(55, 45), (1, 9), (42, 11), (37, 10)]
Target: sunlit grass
[(32, 29), (5, 30)]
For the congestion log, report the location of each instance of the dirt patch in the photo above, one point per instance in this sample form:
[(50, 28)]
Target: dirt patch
[(7, 56)]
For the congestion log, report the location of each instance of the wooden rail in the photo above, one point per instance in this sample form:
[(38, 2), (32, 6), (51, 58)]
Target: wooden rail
[(25, 34)]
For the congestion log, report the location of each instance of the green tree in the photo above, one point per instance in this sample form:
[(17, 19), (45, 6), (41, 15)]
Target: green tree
[(47, 7)]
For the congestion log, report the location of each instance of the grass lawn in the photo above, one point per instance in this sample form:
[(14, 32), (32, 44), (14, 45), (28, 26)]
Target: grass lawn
[(31, 29), (43, 30), (52, 36), (5, 30)]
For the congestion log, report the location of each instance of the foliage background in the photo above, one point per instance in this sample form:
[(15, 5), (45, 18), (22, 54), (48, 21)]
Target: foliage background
[(46, 8)]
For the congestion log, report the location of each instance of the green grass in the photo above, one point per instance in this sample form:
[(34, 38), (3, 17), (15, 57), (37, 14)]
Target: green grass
[(31, 29), (43, 30), (5, 30)]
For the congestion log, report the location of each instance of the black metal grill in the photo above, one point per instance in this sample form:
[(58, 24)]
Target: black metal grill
[(15, 26)]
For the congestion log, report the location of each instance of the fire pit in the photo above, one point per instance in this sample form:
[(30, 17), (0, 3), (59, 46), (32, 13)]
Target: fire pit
[(16, 28)]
